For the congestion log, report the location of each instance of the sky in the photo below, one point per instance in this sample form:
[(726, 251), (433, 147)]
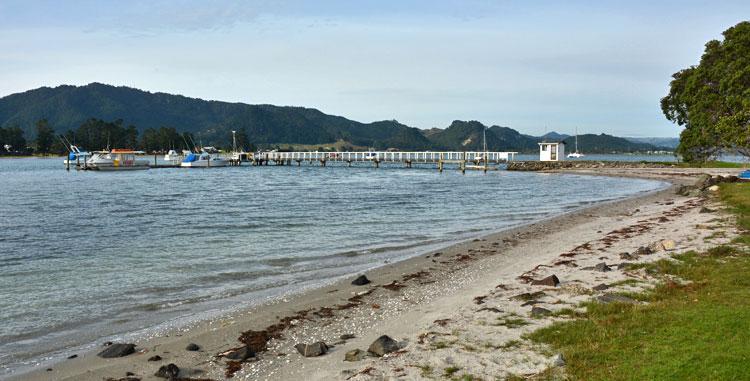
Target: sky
[(536, 66)]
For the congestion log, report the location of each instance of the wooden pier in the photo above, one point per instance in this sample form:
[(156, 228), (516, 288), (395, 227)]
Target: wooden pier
[(463, 159)]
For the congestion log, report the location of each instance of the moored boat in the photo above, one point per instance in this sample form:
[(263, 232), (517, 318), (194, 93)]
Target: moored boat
[(117, 160), (203, 160)]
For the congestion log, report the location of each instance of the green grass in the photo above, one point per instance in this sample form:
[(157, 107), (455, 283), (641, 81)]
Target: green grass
[(697, 330)]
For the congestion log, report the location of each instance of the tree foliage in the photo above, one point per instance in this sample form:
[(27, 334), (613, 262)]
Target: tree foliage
[(13, 137), (712, 100), (45, 136)]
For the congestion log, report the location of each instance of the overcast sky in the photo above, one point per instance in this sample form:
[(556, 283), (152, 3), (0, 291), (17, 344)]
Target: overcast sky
[(601, 66)]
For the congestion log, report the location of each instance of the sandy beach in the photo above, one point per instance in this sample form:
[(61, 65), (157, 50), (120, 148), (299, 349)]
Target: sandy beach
[(464, 308)]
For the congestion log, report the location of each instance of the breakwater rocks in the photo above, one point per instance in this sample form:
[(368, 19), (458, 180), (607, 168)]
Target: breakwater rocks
[(581, 164)]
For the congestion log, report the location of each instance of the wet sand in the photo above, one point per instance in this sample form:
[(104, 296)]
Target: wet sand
[(447, 309)]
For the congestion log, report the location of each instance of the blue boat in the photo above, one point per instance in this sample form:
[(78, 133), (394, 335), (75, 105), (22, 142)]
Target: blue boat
[(745, 175)]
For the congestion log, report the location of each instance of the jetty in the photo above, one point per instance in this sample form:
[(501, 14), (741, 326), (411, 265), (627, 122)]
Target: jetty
[(463, 159)]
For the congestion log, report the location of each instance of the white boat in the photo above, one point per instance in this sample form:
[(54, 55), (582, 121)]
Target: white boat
[(203, 160), (76, 156), (172, 157), (117, 160), (576, 154)]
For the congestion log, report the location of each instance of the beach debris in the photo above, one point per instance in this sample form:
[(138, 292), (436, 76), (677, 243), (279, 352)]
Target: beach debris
[(168, 371), (600, 287), (643, 250), (539, 312), (393, 286), (628, 257), (602, 267), (232, 368), (382, 345), (347, 336), (442, 322), (154, 358), (117, 350), (526, 296), (705, 210), (559, 360), (312, 350), (491, 309), (551, 281), (72, 357), (360, 281), (480, 299), (615, 298), (355, 355), (238, 354), (192, 347)]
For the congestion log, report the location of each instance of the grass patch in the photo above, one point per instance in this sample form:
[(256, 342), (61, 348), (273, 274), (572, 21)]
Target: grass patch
[(696, 330), (708, 164), (568, 312), (511, 321), (450, 371), (425, 370)]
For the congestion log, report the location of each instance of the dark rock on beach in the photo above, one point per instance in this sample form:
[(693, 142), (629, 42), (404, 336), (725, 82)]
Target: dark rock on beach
[(347, 336), (240, 354), (72, 357), (154, 358), (551, 281), (192, 347), (600, 287), (614, 298), (382, 345), (539, 312), (355, 355), (360, 281), (117, 350), (643, 250), (602, 267), (167, 371), (312, 350), (628, 256)]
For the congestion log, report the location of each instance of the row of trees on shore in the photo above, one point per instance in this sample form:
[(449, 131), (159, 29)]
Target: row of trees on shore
[(712, 100), (96, 134)]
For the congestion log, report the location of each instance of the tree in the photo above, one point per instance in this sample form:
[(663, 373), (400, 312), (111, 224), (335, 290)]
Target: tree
[(45, 136), (12, 137), (712, 100)]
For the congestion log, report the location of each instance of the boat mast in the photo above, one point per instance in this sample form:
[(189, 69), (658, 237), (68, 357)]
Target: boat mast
[(576, 139)]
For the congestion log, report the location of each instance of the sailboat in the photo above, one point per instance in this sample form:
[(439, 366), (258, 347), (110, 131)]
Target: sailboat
[(482, 158), (576, 154)]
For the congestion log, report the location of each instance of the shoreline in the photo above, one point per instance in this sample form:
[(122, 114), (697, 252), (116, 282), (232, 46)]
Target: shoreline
[(219, 334)]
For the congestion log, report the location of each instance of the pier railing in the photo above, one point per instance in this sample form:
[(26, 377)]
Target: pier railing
[(388, 156)]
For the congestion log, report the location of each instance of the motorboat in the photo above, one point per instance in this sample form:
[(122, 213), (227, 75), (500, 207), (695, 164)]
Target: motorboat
[(203, 160), (172, 157), (76, 156), (744, 175), (117, 160)]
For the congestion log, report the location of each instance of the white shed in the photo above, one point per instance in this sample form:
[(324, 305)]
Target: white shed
[(551, 151)]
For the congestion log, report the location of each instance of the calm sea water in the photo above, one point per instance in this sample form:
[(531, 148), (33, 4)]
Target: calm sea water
[(88, 255)]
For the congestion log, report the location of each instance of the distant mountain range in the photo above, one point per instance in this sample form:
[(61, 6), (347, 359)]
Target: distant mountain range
[(67, 107)]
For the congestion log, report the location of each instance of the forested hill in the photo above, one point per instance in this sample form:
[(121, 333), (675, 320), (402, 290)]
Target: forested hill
[(68, 107)]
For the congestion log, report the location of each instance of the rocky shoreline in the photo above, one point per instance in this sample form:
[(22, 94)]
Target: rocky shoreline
[(582, 164), (461, 311)]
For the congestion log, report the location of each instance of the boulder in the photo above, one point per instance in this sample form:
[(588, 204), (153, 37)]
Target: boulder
[(117, 350), (312, 350), (360, 281), (643, 250), (600, 287), (602, 267), (628, 256), (539, 312), (355, 355), (614, 298), (192, 347), (551, 281), (168, 371), (559, 360), (662, 245), (240, 354), (382, 345)]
